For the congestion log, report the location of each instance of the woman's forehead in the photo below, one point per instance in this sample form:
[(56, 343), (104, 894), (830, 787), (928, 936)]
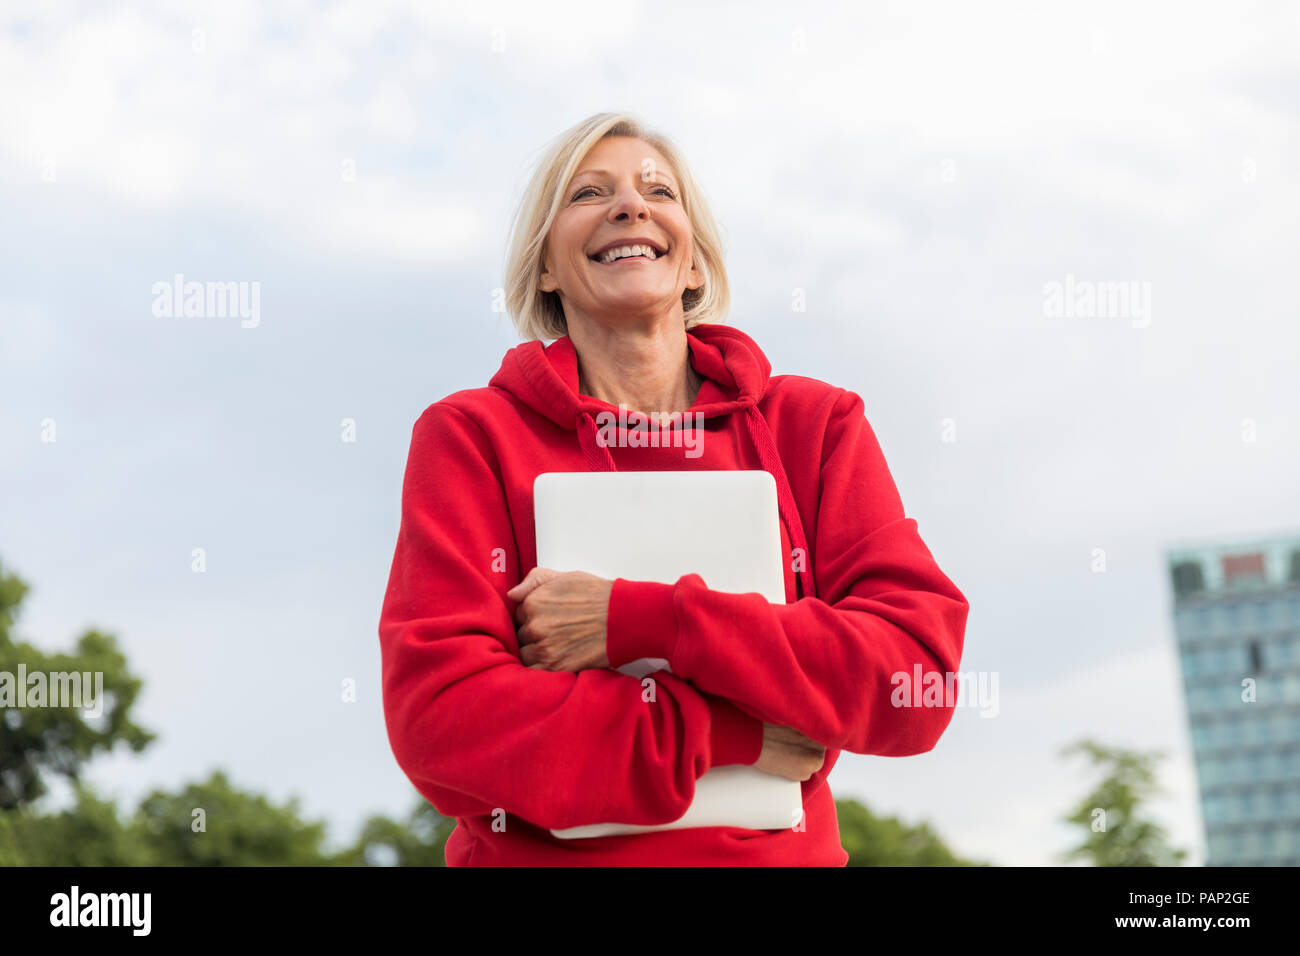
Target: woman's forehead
[(601, 161)]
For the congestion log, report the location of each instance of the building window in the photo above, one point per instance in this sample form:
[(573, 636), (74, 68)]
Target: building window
[(1243, 571), (1270, 616), (1189, 579), (1291, 688), (1274, 655), (1213, 809), (1287, 842), (1219, 620)]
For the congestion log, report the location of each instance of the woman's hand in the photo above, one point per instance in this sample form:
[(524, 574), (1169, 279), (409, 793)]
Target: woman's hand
[(561, 619), (788, 753)]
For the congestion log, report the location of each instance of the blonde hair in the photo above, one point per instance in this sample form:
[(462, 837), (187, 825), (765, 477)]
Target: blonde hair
[(540, 315)]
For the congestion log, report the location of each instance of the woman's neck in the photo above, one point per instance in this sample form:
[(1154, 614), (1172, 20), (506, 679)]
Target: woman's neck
[(646, 370)]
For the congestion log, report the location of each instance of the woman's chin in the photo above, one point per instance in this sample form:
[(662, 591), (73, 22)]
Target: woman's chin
[(632, 299)]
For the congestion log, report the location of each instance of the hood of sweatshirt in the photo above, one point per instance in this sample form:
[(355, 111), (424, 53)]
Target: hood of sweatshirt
[(735, 373)]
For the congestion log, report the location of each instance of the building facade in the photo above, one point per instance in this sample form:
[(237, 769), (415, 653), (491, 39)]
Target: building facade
[(1237, 623)]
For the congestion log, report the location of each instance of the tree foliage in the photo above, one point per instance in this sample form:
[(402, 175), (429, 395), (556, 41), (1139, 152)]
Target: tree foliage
[(887, 841), (35, 741), (419, 840), (87, 833), (1117, 834), (214, 823)]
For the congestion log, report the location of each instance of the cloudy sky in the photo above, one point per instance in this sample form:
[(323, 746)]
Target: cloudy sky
[(923, 172)]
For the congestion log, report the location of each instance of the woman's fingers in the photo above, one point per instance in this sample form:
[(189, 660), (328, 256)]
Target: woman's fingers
[(533, 580), (562, 627), (518, 592)]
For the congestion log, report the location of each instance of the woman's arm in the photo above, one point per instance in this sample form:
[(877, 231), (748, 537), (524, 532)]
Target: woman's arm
[(823, 666), (471, 726)]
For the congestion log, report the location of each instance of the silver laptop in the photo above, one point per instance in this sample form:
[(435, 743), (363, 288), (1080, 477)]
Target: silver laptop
[(658, 526)]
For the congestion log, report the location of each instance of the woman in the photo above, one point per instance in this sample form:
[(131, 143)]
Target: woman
[(500, 697)]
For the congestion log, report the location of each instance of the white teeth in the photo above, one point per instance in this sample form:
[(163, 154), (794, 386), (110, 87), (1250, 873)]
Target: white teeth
[(621, 252)]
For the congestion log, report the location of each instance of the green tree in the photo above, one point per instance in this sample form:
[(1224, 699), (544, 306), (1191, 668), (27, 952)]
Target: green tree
[(214, 823), (1119, 835), (58, 740), (887, 841), (88, 833), (242, 829), (420, 840)]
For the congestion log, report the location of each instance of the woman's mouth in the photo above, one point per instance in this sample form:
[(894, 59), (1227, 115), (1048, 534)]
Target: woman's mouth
[(633, 253)]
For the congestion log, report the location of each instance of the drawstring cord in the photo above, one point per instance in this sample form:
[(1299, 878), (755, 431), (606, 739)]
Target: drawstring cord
[(761, 435)]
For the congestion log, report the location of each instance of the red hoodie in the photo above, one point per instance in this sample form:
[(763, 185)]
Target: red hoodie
[(512, 752)]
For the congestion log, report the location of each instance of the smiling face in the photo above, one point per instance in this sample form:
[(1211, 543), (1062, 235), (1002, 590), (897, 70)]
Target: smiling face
[(623, 194)]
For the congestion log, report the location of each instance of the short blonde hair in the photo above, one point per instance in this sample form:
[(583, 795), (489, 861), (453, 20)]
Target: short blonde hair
[(540, 315)]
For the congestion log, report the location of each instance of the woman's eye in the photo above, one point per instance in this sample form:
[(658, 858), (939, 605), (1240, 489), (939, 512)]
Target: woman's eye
[(591, 189)]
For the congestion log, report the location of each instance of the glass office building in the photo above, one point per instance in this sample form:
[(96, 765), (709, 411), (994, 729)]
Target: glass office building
[(1237, 621)]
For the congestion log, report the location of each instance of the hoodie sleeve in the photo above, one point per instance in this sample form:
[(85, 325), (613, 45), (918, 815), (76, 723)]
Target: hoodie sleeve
[(476, 730), (832, 666)]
